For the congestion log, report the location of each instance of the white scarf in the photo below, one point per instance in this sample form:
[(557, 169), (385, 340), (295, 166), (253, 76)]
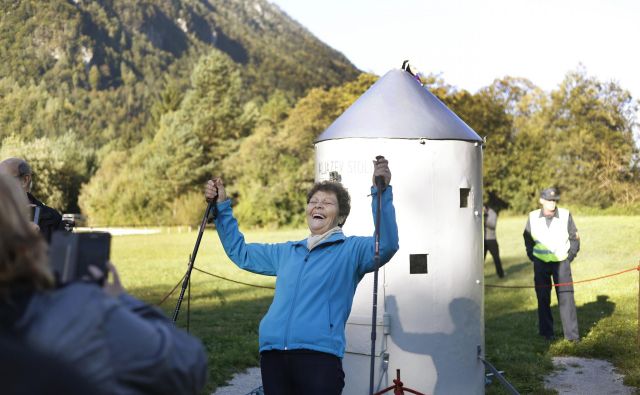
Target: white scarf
[(314, 240)]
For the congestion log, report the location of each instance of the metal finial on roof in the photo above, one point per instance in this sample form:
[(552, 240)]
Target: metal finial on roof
[(406, 67)]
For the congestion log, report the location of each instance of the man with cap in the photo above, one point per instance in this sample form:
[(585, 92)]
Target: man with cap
[(552, 243), (49, 220)]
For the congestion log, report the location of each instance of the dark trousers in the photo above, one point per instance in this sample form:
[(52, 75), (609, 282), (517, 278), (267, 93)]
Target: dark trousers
[(559, 272), (492, 247), (296, 372)]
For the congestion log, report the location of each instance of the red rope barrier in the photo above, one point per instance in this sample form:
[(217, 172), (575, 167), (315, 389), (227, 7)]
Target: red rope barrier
[(170, 293), (637, 268)]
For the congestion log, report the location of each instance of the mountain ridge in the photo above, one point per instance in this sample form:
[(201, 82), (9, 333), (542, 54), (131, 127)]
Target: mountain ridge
[(125, 42)]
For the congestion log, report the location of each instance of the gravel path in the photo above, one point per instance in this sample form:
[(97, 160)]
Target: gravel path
[(573, 376), (242, 383), (585, 376)]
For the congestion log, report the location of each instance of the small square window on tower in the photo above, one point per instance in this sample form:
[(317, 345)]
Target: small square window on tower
[(418, 264), (464, 197)]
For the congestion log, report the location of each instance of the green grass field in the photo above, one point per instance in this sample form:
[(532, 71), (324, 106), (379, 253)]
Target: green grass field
[(607, 308), (225, 315)]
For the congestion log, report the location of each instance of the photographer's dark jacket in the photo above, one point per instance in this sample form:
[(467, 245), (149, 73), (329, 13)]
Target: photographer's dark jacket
[(122, 344), (49, 221)]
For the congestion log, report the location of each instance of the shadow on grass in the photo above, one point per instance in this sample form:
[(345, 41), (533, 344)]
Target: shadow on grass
[(512, 269), (590, 313), (225, 320), (513, 344)]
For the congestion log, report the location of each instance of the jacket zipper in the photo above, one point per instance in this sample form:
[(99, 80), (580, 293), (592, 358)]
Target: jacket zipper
[(293, 302)]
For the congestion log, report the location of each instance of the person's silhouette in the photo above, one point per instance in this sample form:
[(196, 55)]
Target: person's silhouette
[(452, 353)]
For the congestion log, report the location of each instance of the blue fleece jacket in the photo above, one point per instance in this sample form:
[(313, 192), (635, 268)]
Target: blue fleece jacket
[(314, 289)]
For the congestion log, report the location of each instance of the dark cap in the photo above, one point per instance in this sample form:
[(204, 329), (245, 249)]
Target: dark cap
[(550, 194)]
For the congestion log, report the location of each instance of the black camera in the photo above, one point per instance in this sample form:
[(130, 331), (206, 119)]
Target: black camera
[(70, 255), (69, 221)]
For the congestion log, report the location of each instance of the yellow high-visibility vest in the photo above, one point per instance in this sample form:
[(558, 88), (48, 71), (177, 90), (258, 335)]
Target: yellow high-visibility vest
[(551, 243)]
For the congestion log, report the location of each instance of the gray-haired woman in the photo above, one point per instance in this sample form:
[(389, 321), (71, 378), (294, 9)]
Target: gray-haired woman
[(302, 336)]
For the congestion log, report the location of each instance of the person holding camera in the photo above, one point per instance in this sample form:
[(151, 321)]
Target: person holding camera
[(116, 342), (48, 219), (302, 336)]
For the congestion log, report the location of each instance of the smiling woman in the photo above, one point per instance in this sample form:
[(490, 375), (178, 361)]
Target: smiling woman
[(328, 206), (302, 337)]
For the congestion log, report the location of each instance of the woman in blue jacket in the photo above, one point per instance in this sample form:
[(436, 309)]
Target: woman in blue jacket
[(302, 336)]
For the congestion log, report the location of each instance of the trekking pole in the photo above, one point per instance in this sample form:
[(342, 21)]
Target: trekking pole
[(376, 260), (192, 258)]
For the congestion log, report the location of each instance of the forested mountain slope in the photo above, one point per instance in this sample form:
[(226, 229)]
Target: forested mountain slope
[(70, 55)]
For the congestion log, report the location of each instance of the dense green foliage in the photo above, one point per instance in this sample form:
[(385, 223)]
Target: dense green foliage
[(189, 143), (115, 74), (140, 103), (274, 167), (100, 67), (579, 138)]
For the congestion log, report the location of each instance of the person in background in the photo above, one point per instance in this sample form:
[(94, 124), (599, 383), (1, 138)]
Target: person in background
[(490, 240), (49, 220), (302, 336), (552, 243), (117, 343)]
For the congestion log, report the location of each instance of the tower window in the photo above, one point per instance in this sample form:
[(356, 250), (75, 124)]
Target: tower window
[(464, 197)]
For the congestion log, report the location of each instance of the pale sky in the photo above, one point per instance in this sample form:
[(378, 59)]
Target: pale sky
[(469, 43)]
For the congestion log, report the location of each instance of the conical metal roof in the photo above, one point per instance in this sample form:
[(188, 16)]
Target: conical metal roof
[(398, 106)]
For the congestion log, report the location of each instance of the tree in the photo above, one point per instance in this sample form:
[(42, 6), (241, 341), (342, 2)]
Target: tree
[(487, 115), (189, 142), (512, 155), (579, 137), (256, 170), (159, 172), (276, 163), (212, 108), (591, 122)]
